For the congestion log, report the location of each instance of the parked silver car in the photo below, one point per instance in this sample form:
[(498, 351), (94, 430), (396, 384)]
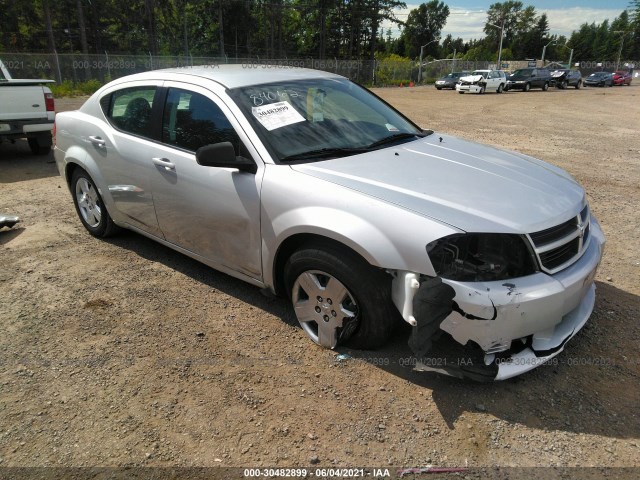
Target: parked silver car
[(309, 185)]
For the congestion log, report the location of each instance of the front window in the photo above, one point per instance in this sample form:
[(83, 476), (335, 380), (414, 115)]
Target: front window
[(321, 118), (191, 120), (523, 72)]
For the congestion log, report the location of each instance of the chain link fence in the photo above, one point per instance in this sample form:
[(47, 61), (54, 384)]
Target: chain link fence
[(78, 68)]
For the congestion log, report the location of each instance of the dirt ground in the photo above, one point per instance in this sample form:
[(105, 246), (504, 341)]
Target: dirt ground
[(125, 353)]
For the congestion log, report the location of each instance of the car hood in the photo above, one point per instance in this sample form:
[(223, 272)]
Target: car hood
[(471, 78), (470, 186)]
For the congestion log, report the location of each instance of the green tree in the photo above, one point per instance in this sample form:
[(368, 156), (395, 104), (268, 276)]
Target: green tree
[(424, 25)]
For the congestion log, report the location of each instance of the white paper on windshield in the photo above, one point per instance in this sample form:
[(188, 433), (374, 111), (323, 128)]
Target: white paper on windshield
[(276, 115)]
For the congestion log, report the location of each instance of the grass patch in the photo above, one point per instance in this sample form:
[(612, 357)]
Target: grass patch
[(71, 89)]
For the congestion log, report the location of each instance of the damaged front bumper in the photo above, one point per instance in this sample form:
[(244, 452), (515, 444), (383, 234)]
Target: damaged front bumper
[(469, 88), (509, 326)]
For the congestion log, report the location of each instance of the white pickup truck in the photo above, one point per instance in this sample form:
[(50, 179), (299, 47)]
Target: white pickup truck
[(26, 111)]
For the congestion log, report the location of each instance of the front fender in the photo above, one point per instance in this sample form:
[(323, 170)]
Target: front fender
[(386, 235)]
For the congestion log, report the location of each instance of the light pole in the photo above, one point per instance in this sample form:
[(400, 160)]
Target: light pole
[(421, 52), (501, 28), (623, 33), (565, 45), (544, 50)]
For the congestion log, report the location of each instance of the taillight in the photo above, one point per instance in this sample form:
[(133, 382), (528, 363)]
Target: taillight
[(49, 102), (53, 133)]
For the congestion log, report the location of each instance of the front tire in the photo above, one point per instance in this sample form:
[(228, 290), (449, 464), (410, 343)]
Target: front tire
[(527, 87), (89, 205), (338, 298)]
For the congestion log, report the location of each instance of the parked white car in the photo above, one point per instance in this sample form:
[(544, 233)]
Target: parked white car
[(481, 81), (307, 184)]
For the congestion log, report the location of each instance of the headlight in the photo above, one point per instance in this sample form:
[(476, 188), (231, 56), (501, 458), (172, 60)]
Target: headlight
[(474, 257)]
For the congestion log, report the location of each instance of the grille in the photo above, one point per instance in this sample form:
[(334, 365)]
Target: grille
[(560, 246), (553, 234), (558, 256)]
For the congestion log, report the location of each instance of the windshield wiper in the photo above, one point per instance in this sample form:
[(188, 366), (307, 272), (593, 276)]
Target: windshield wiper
[(323, 153), (394, 138), (344, 151)]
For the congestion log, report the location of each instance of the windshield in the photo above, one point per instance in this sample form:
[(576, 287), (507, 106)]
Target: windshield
[(320, 117), (480, 72)]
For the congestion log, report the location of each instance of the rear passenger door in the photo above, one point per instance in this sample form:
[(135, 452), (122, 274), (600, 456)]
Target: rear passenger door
[(120, 149)]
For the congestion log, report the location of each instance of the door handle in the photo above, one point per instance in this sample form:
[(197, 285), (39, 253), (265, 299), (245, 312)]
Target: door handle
[(97, 141), (163, 162)]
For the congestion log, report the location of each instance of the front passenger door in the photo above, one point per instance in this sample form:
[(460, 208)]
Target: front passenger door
[(212, 212)]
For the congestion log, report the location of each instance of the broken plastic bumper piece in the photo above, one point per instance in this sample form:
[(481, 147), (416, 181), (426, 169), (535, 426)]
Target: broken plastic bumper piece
[(511, 326), (8, 220)]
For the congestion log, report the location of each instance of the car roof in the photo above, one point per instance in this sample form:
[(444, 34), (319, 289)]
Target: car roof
[(233, 76)]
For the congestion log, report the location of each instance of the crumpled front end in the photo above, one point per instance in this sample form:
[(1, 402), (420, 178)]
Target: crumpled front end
[(470, 83), (507, 326)]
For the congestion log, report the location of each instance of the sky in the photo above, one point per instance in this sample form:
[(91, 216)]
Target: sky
[(467, 17)]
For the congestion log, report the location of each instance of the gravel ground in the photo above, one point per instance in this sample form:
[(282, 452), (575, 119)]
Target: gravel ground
[(124, 353)]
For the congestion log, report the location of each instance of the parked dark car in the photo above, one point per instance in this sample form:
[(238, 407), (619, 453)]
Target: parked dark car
[(621, 78), (599, 79), (527, 78), (564, 77), (450, 80)]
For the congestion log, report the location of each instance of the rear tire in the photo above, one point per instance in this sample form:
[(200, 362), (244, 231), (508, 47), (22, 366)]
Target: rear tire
[(500, 88), (89, 205), (338, 298), (545, 87), (578, 85)]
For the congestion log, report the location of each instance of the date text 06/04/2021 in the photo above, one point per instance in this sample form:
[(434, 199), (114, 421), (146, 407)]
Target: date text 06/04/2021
[(316, 473)]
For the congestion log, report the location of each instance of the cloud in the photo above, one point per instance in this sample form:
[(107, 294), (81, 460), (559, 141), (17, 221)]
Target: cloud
[(469, 23), (562, 21)]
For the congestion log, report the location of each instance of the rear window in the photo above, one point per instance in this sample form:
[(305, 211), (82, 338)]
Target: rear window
[(129, 109)]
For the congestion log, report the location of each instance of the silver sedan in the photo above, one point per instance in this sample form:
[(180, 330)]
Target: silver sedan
[(307, 184)]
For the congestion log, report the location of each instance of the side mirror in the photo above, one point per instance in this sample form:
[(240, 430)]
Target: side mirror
[(223, 155)]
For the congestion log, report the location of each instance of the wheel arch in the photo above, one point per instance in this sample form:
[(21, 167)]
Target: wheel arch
[(73, 163), (295, 242)]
